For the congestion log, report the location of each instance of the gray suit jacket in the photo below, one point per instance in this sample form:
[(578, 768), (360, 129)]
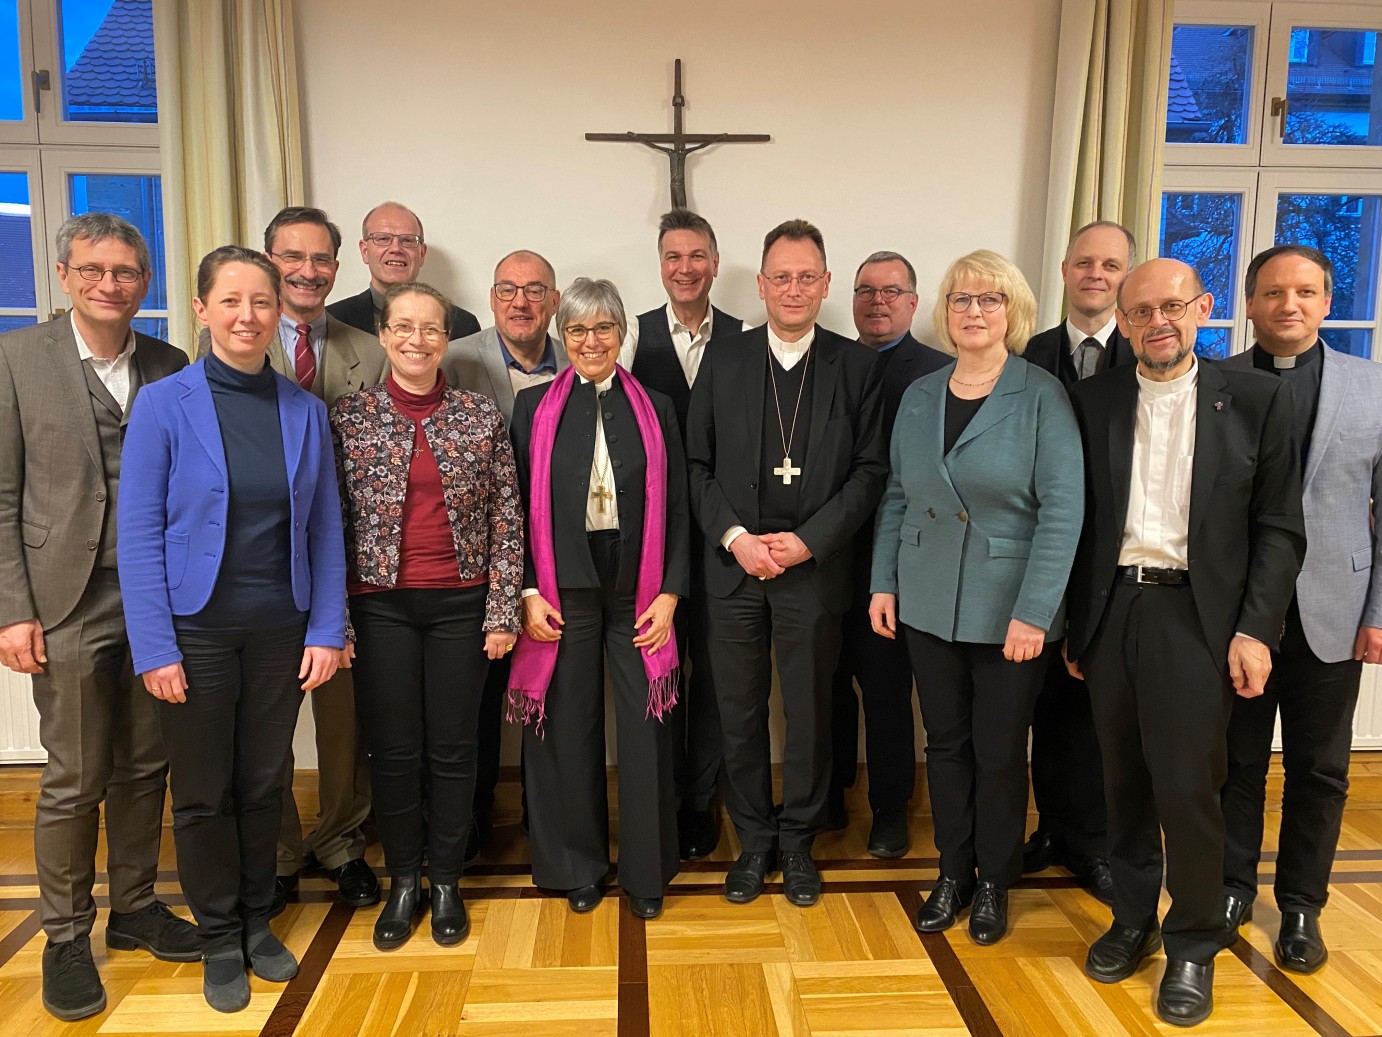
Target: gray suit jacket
[(53, 502), (1339, 588), (351, 360), (475, 363)]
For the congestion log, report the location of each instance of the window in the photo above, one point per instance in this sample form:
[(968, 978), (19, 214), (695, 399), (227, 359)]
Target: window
[(78, 132), (1274, 136)]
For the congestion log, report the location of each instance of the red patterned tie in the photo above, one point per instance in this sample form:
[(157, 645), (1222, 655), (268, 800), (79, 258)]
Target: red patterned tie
[(304, 363)]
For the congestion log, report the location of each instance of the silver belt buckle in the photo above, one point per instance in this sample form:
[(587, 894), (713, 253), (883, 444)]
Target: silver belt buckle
[(1140, 580)]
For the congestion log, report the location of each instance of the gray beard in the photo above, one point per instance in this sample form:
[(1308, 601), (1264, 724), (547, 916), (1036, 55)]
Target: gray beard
[(1167, 364)]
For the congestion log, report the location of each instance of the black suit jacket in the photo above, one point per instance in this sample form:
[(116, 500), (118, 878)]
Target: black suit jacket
[(656, 365), (1050, 350), (358, 312), (842, 474), (1247, 530), (572, 456)]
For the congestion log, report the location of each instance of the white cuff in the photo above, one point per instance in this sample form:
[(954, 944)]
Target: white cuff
[(730, 535)]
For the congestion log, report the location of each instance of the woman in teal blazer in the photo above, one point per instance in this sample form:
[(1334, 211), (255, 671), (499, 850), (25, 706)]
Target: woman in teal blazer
[(973, 547)]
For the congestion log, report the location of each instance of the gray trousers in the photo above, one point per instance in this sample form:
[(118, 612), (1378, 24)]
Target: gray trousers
[(101, 733)]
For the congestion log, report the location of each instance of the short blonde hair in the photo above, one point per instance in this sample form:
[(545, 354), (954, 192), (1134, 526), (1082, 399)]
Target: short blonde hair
[(989, 268)]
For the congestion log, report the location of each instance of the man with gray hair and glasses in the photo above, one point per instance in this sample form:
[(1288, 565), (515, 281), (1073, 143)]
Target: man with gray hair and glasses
[(393, 247), (66, 389)]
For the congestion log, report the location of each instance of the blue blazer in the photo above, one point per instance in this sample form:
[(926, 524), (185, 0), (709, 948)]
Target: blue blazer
[(987, 533), (173, 504)]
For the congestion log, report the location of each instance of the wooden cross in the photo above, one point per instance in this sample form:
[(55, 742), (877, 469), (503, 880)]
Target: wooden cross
[(678, 144), (786, 471), (601, 496)]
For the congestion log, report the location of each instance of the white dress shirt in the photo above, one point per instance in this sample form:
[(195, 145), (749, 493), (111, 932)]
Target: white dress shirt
[(1157, 528), (1076, 337), (114, 374), (600, 466)]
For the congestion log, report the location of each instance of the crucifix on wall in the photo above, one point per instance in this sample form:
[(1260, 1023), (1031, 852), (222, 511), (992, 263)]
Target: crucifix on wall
[(678, 144)]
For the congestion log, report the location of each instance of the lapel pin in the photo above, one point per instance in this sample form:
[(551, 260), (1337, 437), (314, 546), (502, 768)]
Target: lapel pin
[(1218, 404)]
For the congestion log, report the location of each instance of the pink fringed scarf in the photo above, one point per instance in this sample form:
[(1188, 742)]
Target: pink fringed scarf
[(535, 661)]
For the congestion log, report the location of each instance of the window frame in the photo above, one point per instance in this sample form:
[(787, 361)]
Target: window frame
[(26, 160)]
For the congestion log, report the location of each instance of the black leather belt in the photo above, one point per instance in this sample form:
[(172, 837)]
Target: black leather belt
[(1153, 577)]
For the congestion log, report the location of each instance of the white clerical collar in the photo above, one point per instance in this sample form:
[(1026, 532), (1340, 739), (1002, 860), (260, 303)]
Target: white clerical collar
[(674, 325), (801, 345), (1076, 337), (84, 351), (599, 386), (1175, 385)]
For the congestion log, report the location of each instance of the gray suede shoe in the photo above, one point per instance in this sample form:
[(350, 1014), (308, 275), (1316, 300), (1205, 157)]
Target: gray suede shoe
[(224, 983), (270, 960)]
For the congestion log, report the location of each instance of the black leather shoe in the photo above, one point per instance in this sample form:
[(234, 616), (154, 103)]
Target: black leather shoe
[(1299, 946), (476, 837), (988, 918), (698, 833), (801, 882), (450, 923), (71, 985), (1094, 874), (1039, 852), (395, 923), (285, 887), (357, 884), (1237, 911), (646, 907), (156, 930), (1186, 996), (888, 838), (1116, 955), (938, 913), (586, 898), (744, 881)]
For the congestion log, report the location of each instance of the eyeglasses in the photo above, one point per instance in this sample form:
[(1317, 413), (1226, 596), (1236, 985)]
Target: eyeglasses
[(1171, 309), (381, 240), (536, 291), (121, 274), (781, 282), (295, 259), (890, 293), (988, 301), (605, 331), (403, 329)]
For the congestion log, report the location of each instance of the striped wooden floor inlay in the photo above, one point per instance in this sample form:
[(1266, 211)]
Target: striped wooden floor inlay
[(852, 965)]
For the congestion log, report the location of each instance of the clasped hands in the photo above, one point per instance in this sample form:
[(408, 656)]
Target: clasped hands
[(768, 555)]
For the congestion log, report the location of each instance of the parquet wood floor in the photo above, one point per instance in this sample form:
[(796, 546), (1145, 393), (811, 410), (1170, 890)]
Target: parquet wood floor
[(852, 965)]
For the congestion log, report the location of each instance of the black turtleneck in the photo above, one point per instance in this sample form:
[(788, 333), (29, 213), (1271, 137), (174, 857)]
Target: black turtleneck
[(1304, 379), (254, 585)]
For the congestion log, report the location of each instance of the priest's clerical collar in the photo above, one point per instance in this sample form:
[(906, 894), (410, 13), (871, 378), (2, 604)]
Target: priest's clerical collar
[(1268, 361), (602, 386)]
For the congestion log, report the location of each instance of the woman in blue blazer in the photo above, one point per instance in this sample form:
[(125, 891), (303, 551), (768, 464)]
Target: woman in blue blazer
[(232, 569), (974, 542)]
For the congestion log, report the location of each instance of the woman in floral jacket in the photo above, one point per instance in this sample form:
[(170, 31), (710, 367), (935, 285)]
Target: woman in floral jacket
[(434, 546)]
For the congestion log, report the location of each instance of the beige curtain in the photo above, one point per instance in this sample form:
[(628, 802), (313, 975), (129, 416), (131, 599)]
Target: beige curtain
[(1108, 127), (229, 132)]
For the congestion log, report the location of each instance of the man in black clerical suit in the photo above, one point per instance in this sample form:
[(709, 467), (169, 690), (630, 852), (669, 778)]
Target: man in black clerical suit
[(885, 300), (785, 459), (394, 249), (669, 343), (1192, 541), (1067, 775)]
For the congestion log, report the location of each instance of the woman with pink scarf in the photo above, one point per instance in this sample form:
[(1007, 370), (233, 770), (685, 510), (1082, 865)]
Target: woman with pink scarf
[(603, 475)]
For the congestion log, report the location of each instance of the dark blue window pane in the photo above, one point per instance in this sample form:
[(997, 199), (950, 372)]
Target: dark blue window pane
[(138, 199), (11, 75), (108, 61), (1202, 229), (16, 242), (1332, 96), (1357, 341), (1212, 343), (1209, 94), (1345, 228), (10, 323), (155, 326)]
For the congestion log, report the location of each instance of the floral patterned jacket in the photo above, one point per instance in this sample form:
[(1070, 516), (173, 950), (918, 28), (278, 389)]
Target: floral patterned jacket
[(374, 447)]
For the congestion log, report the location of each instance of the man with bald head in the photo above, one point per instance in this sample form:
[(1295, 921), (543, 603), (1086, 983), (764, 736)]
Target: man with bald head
[(1193, 539), (393, 247)]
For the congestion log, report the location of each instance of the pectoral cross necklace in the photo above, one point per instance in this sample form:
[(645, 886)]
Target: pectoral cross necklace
[(599, 492), (785, 471)]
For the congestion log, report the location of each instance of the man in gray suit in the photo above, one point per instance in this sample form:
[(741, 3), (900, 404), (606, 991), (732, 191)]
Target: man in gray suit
[(330, 360), (500, 362), (66, 389), (1334, 623)]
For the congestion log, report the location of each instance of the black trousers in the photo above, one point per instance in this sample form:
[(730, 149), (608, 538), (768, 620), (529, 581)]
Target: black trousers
[(1162, 703), (420, 667), (884, 674), (695, 722), (226, 747), (1067, 770), (1316, 700), (976, 707), (568, 806), (786, 614)]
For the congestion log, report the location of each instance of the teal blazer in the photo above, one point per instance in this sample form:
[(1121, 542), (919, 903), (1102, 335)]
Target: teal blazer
[(987, 533)]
